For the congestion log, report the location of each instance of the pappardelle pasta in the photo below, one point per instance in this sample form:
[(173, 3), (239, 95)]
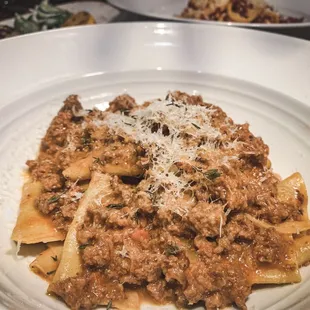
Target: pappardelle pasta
[(169, 199), (238, 11)]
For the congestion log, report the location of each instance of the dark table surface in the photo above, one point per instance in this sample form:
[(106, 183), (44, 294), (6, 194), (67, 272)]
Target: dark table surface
[(9, 7)]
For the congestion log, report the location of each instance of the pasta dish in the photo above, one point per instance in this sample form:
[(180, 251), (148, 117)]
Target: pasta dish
[(169, 200), (239, 11)]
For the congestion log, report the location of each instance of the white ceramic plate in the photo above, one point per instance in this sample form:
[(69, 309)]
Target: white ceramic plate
[(169, 9), (254, 76), (102, 12)]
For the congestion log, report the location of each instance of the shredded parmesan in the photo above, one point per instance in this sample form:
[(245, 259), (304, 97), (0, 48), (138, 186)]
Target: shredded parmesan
[(221, 225), (76, 196), (18, 246), (227, 211), (161, 128), (123, 252), (79, 113)]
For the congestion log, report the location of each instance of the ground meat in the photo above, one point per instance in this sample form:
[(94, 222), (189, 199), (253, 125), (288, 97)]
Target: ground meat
[(69, 210), (56, 135), (204, 247), (88, 290), (122, 103), (240, 228), (45, 202), (191, 100), (159, 291), (98, 255), (272, 247), (121, 158), (143, 202), (208, 219), (47, 173), (184, 232), (61, 205), (144, 265), (224, 278), (175, 267)]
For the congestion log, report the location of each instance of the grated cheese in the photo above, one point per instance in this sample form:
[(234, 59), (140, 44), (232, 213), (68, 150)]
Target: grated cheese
[(160, 128), (123, 252), (221, 225), (18, 246), (227, 211), (79, 113), (76, 196)]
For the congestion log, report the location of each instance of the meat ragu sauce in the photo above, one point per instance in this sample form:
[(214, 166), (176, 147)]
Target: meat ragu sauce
[(181, 226)]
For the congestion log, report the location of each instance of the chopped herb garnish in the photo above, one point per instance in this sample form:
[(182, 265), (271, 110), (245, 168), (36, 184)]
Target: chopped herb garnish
[(212, 174), (117, 206), (172, 250), (54, 258), (53, 199), (136, 216), (86, 140), (97, 160), (83, 246), (109, 305), (50, 272), (125, 111), (196, 126), (176, 105), (128, 124)]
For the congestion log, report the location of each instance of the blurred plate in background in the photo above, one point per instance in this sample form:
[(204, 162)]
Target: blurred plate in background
[(170, 9)]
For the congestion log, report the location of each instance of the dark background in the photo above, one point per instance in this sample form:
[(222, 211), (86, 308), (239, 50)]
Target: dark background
[(9, 7)]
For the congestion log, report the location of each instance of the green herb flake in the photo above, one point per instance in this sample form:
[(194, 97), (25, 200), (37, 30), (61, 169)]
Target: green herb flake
[(172, 250), (196, 126), (109, 305), (53, 199), (86, 140), (50, 272), (125, 111), (97, 160), (54, 258), (83, 246), (136, 216), (116, 206), (174, 104), (212, 174)]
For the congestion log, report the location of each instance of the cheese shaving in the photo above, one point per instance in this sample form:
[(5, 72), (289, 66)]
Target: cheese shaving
[(166, 129), (79, 113), (18, 246), (123, 252), (76, 196), (221, 225), (160, 128)]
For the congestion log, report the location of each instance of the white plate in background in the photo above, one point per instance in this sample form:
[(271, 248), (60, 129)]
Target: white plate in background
[(254, 76), (169, 9)]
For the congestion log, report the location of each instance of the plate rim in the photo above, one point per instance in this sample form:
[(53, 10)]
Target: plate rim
[(251, 36), (172, 24)]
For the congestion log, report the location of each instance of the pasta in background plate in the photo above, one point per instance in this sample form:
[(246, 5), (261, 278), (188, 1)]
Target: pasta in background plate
[(170, 199), (238, 11)]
